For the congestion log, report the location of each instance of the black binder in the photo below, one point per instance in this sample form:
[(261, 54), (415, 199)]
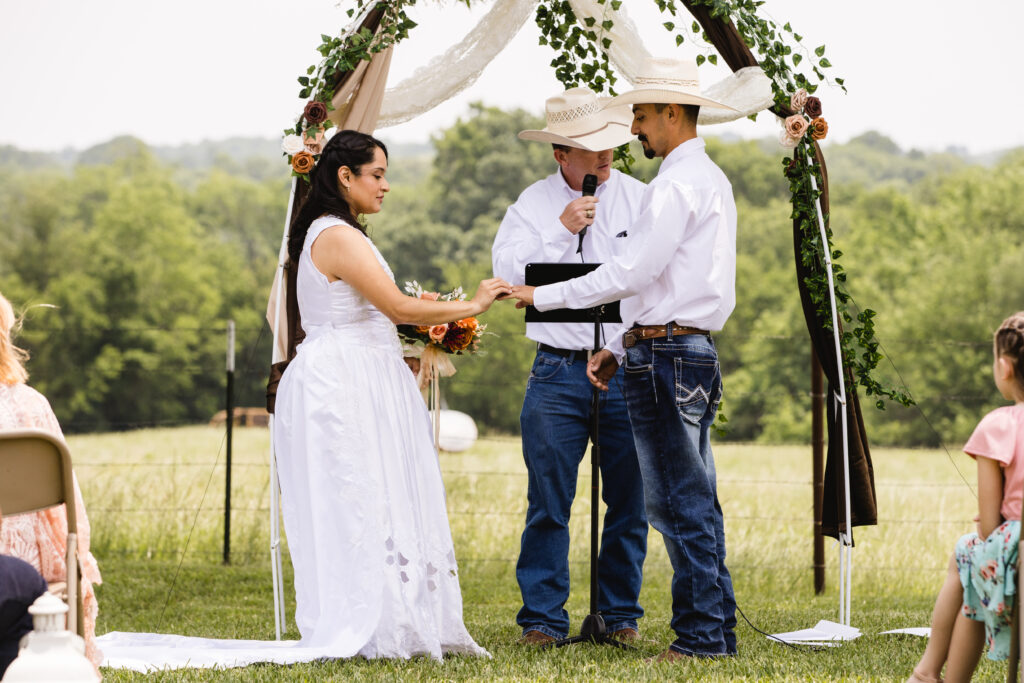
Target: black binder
[(539, 274)]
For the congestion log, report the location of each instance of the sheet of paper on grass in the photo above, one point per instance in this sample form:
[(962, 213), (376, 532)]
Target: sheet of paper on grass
[(823, 633)]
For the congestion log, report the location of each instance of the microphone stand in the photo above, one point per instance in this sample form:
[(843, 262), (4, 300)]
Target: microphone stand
[(593, 629)]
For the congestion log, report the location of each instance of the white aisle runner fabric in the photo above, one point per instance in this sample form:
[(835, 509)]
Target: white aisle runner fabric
[(147, 652)]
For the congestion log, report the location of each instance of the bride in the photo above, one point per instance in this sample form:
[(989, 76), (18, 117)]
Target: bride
[(362, 495), (363, 499)]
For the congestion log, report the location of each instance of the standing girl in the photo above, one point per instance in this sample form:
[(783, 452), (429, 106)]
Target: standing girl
[(974, 604)]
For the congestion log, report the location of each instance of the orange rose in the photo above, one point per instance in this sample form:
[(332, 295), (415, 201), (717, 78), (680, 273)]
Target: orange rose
[(796, 126), (303, 162), (468, 324), (819, 128), (431, 296), (423, 329), (437, 333)]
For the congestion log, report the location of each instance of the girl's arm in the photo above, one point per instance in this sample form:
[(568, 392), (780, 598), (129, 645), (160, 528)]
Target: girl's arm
[(990, 495), (342, 253)]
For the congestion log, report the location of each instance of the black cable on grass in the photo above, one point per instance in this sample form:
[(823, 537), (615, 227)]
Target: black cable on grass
[(195, 520), (808, 646)]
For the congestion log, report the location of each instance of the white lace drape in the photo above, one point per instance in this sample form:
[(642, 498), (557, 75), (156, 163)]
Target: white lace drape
[(748, 90)]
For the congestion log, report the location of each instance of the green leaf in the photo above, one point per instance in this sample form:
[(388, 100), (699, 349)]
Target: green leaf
[(713, 59), (820, 50), (825, 63), (679, 40), (589, 21), (797, 57), (669, 26), (700, 59)]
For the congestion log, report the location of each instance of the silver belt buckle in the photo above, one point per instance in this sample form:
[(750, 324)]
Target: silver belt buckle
[(629, 340)]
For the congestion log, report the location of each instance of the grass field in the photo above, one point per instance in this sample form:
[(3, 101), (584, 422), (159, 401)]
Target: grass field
[(150, 492)]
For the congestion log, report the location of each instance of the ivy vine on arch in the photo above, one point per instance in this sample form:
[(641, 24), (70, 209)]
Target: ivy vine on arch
[(581, 59)]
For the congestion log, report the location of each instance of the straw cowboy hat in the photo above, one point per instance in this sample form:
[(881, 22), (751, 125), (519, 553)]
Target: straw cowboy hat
[(666, 81), (579, 118)]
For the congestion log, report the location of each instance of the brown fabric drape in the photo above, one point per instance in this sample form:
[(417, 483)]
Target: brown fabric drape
[(358, 107), (863, 510)]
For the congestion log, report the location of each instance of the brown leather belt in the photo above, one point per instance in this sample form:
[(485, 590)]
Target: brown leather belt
[(656, 331)]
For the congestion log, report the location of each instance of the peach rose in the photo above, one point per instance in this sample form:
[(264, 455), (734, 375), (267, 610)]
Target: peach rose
[(812, 107), (798, 100), (795, 126), (430, 296), (819, 128), (314, 143), (303, 162), (315, 112), (437, 333)]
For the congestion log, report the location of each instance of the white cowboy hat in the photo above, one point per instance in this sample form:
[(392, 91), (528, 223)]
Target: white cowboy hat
[(579, 118), (666, 81)]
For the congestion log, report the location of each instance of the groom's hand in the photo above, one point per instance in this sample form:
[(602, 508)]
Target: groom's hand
[(525, 295), (601, 367)]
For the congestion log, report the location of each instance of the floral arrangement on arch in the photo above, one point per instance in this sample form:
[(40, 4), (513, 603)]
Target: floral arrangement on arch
[(461, 336), (806, 121), (303, 143)]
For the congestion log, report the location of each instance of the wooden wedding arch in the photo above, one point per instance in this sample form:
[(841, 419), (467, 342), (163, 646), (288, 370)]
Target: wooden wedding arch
[(350, 83)]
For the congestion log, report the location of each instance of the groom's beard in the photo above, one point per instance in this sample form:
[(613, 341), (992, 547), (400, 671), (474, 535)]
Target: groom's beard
[(648, 152)]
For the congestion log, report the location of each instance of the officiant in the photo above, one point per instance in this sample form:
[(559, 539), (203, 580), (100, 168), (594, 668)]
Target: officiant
[(552, 221)]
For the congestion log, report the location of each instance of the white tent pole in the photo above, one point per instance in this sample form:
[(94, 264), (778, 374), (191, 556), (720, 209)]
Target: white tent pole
[(275, 504), (845, 538)]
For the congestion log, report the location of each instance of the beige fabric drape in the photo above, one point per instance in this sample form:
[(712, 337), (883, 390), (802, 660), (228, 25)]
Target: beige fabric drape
[(357, 105), (357, 102)]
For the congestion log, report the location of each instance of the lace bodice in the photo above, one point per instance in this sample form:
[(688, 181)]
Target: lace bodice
[(338, 306)]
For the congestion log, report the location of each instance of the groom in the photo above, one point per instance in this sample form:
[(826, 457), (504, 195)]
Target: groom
[(679, 274)]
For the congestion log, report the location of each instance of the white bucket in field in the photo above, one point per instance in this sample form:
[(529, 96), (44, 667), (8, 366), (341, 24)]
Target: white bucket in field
[(458, 431)]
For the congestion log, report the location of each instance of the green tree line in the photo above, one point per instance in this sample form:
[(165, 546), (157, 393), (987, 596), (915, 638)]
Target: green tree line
[(145, 253)]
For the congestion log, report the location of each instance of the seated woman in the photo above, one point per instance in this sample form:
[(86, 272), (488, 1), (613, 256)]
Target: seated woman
[(40, 538)]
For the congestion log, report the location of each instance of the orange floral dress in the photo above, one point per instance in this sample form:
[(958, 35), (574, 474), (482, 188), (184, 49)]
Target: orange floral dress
[(40, 538)]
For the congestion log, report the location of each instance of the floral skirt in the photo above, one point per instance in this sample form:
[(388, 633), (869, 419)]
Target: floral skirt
[(988, 574)]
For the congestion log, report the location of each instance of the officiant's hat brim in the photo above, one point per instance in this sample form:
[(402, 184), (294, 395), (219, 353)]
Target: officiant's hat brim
[(667, 81), (579, 118)]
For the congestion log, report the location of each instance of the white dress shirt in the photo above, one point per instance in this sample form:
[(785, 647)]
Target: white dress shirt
[(679, 261), (532, 232)]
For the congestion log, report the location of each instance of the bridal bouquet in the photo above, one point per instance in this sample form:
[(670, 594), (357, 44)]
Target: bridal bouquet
[(440, 341), (461, 336)]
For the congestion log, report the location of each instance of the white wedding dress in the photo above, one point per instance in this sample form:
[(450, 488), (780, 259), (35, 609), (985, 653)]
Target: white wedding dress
[(363, 500)]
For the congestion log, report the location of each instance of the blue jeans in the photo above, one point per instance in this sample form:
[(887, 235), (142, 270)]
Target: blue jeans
[(673, 387), (555, 421)]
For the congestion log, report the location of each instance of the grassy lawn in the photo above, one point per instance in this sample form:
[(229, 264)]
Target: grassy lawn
[(149, 492)]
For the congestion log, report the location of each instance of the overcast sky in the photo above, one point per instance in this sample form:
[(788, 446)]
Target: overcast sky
[(78, 72)]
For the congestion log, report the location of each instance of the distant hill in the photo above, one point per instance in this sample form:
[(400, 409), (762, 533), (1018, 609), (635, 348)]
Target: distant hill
[(868, 159)]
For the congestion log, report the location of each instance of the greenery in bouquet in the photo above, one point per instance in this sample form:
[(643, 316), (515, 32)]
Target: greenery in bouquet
[(461, 336)]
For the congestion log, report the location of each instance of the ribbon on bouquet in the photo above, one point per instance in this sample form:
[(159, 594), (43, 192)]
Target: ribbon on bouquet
[(434, 364)]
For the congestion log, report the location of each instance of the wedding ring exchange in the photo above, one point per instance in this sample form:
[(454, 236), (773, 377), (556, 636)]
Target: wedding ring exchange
[(349, 90)]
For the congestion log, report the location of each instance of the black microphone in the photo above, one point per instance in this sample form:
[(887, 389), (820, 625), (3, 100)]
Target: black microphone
[(589, 188)]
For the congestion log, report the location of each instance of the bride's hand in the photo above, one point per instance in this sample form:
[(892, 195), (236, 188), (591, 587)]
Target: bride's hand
[(489, 290)]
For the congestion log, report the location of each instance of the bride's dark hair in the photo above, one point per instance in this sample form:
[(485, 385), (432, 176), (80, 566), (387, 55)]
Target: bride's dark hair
[(347, 148)]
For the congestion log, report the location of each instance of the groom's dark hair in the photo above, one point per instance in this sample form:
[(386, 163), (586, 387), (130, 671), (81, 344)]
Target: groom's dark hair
[(347, 148)]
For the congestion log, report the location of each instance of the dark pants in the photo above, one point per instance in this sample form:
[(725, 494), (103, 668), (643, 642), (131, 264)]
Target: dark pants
[(673, 386), (555, 420), (20, 585)]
